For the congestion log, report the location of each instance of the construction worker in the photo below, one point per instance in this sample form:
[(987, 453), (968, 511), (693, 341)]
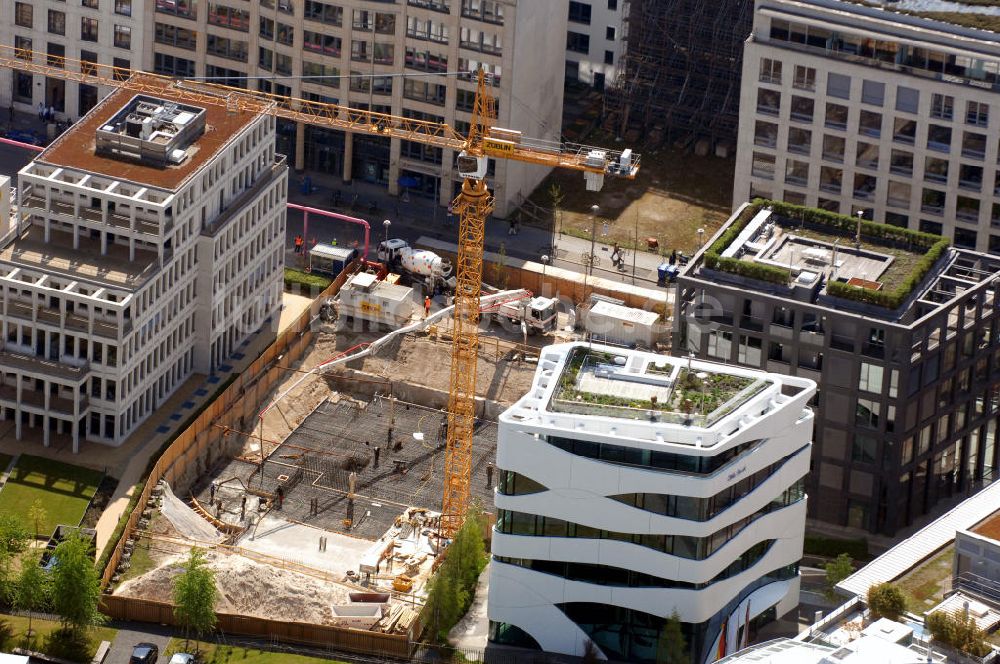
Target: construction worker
[(427, 306), (298, 244)]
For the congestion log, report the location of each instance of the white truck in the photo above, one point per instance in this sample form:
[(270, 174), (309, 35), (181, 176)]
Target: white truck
[(538, 314), (421, 265)]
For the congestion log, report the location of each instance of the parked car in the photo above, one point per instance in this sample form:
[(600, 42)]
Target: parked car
[(144, 653)]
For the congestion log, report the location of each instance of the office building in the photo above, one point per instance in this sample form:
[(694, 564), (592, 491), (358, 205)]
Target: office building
[(72, 35), (634, 487), (899, 332), (147, 246), (876, 108), (595, 41), (353, 53)]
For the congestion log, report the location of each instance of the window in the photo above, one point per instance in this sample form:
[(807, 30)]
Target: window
[(123, 36), (935, 170), (802, 109), (977, 113), (123, 68), (932, 227), (973, 145), (720, 343), (22, 48), (185, 8), (613, 5), (939, 138), (870, 379), (836, 116), (864, 449), (970, 177), (123, 7), (172, 66), (967, 209), (577, 42), (833, 148), (904, 131), (805, 78), (765, 134), (897, 219), (175, 35), (749, 351), (609, 57), (942, 106), (88, 29), (23, 14), (899, 194), (932, 201), (965, 238), (830, 179), (838, 85), (763, 165), (609, 33), (867, 155), (768, 102), (92, 4), (907, 99), (799, 140), (870, 124), (867, 413), (579, 12), (796, 172), (770, 71), (57, 22), (901, 162), (88, 62), (873, 93), (864, 186), (56, 55)]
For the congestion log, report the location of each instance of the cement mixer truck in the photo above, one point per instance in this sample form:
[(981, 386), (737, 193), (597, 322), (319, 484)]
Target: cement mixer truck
[(422, 266)]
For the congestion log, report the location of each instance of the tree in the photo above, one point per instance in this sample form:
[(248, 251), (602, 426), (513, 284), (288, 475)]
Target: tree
[(556, 196), (37, 515), (13, 540), (672, 646), (195, 594), (836, 571), (959, 631), (31, 591), (76, 588), (886, 601)]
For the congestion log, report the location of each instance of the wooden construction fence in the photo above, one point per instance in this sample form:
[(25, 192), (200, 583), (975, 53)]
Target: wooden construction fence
[(196, 448), (329, 637)]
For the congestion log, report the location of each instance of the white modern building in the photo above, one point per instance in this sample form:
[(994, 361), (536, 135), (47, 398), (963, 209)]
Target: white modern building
[(595, 41), (72, 35), (633, 486), (877, 107), (147, 246)]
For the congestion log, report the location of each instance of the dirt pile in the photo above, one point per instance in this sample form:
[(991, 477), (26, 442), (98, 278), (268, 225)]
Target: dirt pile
[(249, 588)]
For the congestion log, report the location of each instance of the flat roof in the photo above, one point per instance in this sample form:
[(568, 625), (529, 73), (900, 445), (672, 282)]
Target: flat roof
[(953, 12), (990, 527), (76, 147), (927, 541)]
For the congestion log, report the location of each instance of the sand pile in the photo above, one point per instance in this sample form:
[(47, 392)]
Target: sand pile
[(249, 588)]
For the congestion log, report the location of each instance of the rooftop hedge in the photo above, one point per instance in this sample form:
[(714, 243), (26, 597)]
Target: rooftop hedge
[(934, 247)]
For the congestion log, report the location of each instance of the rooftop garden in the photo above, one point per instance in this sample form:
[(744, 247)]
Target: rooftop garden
[(697, 397), (966, 19), (914, 253)]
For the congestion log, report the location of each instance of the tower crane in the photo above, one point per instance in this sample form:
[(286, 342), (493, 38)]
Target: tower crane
[(473, 204)]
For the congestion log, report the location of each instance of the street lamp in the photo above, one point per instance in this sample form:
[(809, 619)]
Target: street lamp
[(386, 225), (594, 209), (701, 236), (545, 261)]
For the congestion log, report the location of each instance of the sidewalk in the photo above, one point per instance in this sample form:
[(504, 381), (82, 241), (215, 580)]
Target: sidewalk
[(420, 216)]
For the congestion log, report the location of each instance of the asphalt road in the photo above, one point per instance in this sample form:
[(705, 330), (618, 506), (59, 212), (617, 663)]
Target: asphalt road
[(134, 633)]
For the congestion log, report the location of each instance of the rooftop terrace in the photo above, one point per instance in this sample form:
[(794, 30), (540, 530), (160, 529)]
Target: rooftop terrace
[(77, 148), (820, 252), (977, 14)]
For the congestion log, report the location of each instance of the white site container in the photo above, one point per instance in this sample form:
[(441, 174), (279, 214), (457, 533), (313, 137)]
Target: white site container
[(617, 324), (366, 298)]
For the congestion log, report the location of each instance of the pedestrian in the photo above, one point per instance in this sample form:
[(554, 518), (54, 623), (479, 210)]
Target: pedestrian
[(211, 493), (298, 244), (334, 242), (511, 230), (427, 306), (41, 111), (52, 113), (673, 257), (377, 451)]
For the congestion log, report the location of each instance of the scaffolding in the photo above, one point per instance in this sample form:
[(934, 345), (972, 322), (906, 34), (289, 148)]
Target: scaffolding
[(680, 79)]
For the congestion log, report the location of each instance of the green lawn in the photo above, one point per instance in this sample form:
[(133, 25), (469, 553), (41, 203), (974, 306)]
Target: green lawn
[(924, 587), (63, 490), (47, 638), (211, 653)]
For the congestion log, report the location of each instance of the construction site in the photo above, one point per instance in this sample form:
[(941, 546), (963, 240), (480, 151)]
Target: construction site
[(680, 80), (326, 508)]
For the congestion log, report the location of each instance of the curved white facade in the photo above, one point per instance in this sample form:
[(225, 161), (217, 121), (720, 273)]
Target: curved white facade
[(717, 543)]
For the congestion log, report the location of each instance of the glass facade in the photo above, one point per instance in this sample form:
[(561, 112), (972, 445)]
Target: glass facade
[(654, 460)]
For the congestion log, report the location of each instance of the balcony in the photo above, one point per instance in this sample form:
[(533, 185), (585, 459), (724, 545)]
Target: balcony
[(433, 5), (43, 367)]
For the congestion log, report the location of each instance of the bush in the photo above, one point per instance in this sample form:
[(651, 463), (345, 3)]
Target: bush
[(306, 280), (958, 631), (886, 601)]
